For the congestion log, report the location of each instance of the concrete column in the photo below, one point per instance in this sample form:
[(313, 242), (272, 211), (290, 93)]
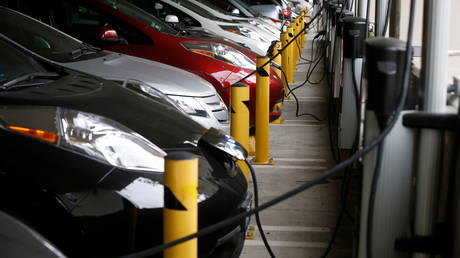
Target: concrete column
[(380, 16), (434, 72)]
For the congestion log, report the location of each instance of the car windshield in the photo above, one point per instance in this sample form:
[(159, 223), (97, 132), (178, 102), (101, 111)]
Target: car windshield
[(213, 6), (140, 15), (14, 64), (197, 9), (41, 38), (247, 7)]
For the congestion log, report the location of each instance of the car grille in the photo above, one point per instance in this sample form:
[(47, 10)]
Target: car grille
[(215, 104)]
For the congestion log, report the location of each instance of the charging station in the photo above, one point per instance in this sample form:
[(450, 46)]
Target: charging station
[(391, 193), (338, 46), (354, 34)]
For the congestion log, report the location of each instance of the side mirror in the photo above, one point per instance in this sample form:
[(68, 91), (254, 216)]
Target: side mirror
[(108, 33), (171, 19), (110, 36), (236, 11)]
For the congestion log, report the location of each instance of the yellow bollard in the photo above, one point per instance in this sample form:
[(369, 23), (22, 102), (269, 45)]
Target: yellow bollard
[(291, 55), (285, 63), (295, 47), (239, 125), (302, 27), (262, 112), (298, 42), (277, 59), (180, 213)]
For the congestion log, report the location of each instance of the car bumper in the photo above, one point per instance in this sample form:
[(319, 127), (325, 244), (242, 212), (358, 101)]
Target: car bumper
[(231, 244)]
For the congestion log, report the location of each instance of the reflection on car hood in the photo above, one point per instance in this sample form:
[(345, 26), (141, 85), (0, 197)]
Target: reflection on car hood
[(162, 124), (166, 78)]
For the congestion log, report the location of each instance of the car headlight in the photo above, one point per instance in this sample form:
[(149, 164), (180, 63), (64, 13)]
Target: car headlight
[(244, 31), (221, 52), (148, 91), (190, 106), (88, 134), (225, 143)]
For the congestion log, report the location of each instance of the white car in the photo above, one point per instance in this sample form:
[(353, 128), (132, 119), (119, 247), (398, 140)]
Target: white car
[(188, 14), (265, 24)]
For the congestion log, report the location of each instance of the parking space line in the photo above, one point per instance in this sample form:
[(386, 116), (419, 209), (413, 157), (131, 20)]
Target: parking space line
[(287, 244), (300, 159), (296, 228), (294, 125), (291, 167)]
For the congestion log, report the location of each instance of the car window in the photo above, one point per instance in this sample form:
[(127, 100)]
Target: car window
[(262, 2), (140, 15), (198, 10), (248, 8), (14, 63), (214, 5), (87, 22), (160, 10), (37, 36)]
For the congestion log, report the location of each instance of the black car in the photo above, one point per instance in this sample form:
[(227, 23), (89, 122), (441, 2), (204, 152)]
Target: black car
[(82, 161), (17, 240)]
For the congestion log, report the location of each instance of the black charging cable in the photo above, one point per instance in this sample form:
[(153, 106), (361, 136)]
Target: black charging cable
[(256, 205), (376, 176), (297, 109), (311, 69), (323, 177), (307, 25)]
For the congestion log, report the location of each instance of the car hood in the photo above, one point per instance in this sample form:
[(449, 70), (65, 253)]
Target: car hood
[(152, 118), (168, 79)]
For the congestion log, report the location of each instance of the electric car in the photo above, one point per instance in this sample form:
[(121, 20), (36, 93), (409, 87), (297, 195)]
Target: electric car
[(121, 27), (83, 161), (191, 15), (194, 95), (269, 8), (17, 240), (215, 10), (239, 8)]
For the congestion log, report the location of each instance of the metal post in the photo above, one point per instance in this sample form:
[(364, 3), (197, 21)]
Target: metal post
[(362, 7), (262, 112), (380, 16), (434, 70), (285, 62), (395, 19), (180, 214)]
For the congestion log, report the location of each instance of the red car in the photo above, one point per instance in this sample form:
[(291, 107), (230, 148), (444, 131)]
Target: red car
[(121, 27)]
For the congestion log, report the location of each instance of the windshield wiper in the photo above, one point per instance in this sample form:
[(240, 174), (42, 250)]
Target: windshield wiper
[(28, 77), (84, 49)]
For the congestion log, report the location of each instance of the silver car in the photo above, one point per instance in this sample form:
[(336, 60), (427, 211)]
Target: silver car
[(190, 93), (269, 8)]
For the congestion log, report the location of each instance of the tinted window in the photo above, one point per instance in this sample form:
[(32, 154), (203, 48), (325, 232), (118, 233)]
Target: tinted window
[(86, 22), (261, 2), (161, 10), (140, 15), (197, 9), (246, 7), (14, 63), (38, 37)]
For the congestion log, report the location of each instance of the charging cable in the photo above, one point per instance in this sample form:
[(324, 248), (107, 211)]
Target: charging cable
[(323, 177)]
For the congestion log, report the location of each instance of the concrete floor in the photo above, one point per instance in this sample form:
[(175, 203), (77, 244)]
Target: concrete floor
[(301, 226)]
